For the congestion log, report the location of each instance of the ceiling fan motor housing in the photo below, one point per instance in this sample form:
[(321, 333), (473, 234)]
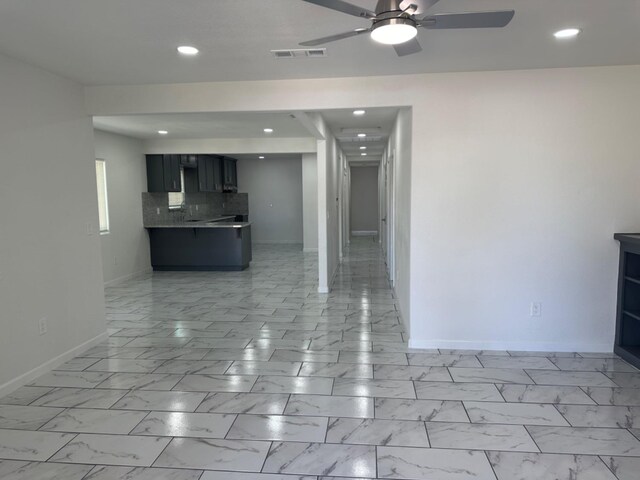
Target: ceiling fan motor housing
[(386, 7), (390, 16)]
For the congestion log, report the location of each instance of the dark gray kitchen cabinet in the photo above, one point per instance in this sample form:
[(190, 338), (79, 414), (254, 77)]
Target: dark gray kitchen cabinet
[(163, 173), (230, 173), (627, 340), (209, 173)]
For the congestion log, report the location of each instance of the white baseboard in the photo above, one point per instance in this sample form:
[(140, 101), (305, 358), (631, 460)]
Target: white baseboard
[(364, 233), (25, 378), (130, 276), (517, 346), (310, 250)]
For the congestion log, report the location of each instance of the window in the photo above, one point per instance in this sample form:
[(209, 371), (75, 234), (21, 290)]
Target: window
[(103, 203), (176, 199)]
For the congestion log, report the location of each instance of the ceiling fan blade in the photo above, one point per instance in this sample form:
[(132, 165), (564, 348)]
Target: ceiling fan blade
[(408, 48), (333, 38), (344, 7), (468, 20)]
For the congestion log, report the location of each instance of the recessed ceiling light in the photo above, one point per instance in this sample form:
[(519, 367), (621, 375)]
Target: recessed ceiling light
[(363, 148), (261, 157), (362, 135), (363, 154), (162, 132), (567, 33), (268, 130), (188, 50), (359, 112)]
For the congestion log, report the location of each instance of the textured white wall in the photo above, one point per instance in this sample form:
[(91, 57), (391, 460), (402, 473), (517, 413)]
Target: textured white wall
[(310, 201), (275, 198), (364, 199), (518, 180), (50, 267), (125, 249)]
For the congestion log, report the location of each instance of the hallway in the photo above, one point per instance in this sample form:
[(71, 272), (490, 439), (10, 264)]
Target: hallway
[(255, 371)]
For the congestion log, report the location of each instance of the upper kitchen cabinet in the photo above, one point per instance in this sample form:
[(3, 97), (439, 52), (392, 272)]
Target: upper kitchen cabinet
[(163, 173), (230, 171), (209, 173)]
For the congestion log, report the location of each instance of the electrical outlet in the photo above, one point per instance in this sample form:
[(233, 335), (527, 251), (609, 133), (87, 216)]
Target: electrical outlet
[(42, 326), (157, 211), (89, 228), (535, 309), (198, 206), (115, 260)]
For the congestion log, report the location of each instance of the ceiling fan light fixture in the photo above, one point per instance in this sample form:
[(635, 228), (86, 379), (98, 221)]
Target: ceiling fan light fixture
[(394, 31)]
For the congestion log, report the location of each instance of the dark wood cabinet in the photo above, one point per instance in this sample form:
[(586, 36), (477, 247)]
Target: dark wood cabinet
[(230, 171), (163, 173), (172, 173), (209, 173), (627, 343)]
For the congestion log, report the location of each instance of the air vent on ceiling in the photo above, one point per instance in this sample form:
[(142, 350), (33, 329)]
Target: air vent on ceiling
[(300, 53)]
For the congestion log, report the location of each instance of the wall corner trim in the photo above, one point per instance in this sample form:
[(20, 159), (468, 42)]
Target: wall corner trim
[(27, 377)]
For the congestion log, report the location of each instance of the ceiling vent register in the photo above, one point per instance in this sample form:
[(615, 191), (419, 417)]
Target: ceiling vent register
[(300, 53)]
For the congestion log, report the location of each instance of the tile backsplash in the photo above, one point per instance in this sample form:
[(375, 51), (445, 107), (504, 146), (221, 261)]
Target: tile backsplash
[(198, 206)]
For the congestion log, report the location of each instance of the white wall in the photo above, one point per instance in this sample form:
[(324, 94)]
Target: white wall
[(310, 201), (50, 267), (125, 249), (399, 147), (521, 182), (275, 198), (518, 181), (364, 200), (330, 165)]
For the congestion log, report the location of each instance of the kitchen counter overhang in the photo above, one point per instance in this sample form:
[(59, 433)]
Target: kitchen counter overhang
[(200, 246)]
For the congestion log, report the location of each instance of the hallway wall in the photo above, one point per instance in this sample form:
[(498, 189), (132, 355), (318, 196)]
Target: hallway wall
[(125, 249), (364, 201), (310, 201)]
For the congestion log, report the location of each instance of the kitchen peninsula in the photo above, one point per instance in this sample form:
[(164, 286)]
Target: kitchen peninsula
[(213, 244), (193, 214)]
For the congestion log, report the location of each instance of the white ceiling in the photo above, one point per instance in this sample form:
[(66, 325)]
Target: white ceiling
[(377, 123), (204, 125), (268, 156), (133, 42)]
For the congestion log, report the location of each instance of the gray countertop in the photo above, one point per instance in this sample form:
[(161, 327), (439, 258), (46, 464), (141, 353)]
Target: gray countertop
[(628, 237), (219, 222)]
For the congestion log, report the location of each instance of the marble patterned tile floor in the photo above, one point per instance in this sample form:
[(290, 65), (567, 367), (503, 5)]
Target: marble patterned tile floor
[(255, 376)]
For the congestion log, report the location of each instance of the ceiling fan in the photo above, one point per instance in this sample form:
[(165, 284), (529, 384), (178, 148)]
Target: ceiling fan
[(396, 22)]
